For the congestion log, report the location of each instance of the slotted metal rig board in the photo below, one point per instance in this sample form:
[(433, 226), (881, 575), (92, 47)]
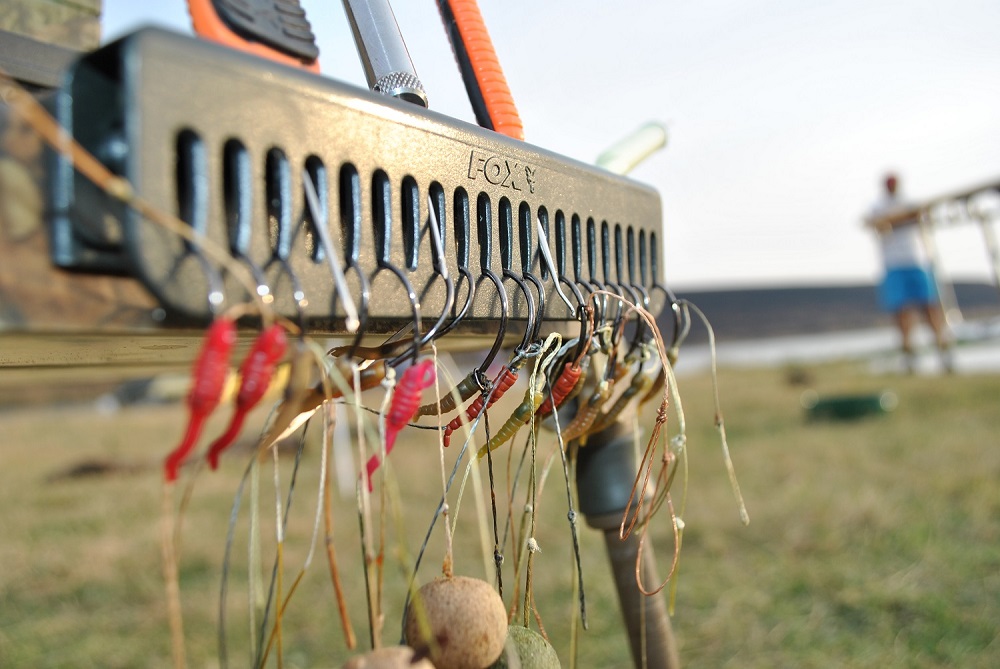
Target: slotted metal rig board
[(224, 140)]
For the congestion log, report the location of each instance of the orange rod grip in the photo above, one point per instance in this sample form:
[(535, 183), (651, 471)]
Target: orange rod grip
[(208, 25), (486, 65)]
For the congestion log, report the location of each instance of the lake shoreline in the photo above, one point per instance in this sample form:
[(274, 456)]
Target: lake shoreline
[(977, 351)]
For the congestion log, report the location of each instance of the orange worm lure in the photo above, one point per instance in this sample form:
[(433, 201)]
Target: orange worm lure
[(580, 425)]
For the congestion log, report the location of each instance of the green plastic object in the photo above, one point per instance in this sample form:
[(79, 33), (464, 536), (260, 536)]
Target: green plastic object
[(848, 407)]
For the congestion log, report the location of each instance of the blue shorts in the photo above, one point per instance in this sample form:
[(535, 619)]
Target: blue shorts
[(907, 287)]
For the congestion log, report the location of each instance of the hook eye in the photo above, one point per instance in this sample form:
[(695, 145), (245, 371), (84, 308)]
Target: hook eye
[(441, 264), (543, 246), (504, 316)]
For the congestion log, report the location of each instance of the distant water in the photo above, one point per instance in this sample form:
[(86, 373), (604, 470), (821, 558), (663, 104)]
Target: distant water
[(977, 352)]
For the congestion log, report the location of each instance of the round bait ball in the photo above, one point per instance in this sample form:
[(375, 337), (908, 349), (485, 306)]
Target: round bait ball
[(394, 657), (531, 649), (467, 620)]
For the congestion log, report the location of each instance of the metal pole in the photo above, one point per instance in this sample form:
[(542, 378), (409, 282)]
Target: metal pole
[(605, 472), (386, 61), (945, 288)]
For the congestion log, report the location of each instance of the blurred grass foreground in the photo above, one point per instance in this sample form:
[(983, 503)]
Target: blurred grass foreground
[(872, 543)]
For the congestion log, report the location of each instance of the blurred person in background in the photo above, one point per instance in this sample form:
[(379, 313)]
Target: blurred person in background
[(908, 289)]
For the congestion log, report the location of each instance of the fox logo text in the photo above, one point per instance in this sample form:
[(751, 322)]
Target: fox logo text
[(501, 172)]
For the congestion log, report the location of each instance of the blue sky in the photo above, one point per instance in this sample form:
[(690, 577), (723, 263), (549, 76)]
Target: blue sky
[(782, 114)]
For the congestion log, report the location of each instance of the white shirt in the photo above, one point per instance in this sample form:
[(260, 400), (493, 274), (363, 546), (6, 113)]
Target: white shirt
[(901, 246)]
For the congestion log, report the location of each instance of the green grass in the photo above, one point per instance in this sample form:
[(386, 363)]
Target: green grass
[(872, 543)]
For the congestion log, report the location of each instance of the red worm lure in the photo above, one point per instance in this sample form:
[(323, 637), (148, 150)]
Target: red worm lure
[(561, 388), (256, 373), (501, 384), (405, 402), (209, 377)]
